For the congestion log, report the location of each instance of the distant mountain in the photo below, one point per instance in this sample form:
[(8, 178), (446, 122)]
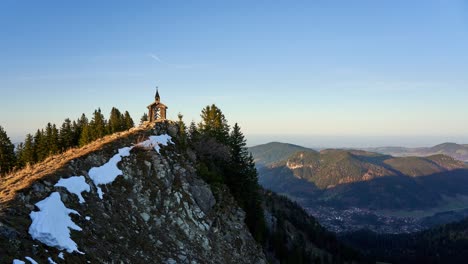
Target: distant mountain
[(456, 151), (272, 152), (365, 179)]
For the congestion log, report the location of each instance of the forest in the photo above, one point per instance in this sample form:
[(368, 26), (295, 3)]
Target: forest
[(52, 140)]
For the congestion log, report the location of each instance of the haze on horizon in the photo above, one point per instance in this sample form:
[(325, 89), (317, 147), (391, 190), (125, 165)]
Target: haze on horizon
[(318, 74)]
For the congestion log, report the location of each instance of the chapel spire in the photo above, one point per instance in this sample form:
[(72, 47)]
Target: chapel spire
[(157, 98)]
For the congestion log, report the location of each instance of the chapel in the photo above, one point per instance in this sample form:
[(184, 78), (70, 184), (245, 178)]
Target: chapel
[(157, 110)]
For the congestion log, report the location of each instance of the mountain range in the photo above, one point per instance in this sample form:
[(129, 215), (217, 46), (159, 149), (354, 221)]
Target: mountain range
[(343, 179), (456, 151)]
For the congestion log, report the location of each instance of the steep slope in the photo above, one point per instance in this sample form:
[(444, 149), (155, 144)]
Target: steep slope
[(135, 199), (296, 237), (444, 244)]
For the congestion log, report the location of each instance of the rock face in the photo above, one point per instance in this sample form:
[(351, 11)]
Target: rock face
[(157, 211)]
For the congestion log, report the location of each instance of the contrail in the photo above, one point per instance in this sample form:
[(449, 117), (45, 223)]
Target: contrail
[(156, 58)]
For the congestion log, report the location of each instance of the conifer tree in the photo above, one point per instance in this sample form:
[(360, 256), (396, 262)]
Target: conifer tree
[(116, 121), (85, 136), (28, 156), (214, 124), (242, 179), (144, 118), (182, 130), (193, 133), (19, 154), (66, 136), (50, 143), (54, 141), (78, 128), (128, 121), (7, 152), (40, 146), (98, 125)]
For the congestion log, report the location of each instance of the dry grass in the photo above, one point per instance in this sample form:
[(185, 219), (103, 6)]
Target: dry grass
[(16, 181)]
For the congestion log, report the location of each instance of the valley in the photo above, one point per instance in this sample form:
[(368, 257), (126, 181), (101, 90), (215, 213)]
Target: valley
[(350, 190)]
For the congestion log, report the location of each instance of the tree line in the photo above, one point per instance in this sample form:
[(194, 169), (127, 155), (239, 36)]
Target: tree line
[(53, 140)]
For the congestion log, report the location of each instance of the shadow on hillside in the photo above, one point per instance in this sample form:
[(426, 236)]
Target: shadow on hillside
[(387, 192), (282, 180), (400, 192)]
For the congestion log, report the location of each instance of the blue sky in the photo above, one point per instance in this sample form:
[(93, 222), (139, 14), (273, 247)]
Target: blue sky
[(321, 73)]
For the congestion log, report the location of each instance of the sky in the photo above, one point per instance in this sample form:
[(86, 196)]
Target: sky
[(315, 73)]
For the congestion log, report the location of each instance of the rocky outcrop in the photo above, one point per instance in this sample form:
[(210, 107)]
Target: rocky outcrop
[(157, 210)]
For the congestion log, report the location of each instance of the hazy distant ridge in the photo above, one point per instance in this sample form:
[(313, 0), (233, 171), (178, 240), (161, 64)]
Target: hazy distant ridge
[(456, 151)]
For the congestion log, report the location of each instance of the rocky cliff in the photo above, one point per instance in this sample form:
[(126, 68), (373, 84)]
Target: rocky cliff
[(129, 199)]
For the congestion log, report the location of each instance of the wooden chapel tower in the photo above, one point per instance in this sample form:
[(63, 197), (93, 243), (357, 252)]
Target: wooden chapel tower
[(157, 110)]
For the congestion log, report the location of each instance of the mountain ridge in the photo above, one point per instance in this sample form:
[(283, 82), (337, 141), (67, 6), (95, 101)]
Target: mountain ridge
[(454, 150), (152, 207), (330, 167)]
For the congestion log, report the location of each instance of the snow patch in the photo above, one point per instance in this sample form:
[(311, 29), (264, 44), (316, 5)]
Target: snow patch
[(52, 224), (51, 261), (155, 141), (107, 173), (60, 256), (17, 261), (87, 218), (31, 260), (75, 185)]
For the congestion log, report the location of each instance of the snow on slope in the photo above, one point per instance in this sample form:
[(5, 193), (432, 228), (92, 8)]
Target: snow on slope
[(52, 224), (31, 260), (75, 185), (155, 141), (108, 172)]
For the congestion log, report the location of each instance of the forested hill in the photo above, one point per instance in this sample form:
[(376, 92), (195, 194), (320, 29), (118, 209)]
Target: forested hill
[(364, 179), (270, 153)]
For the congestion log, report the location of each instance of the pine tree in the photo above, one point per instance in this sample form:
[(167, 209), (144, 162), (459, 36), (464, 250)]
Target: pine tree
[(19, 153), (78, 128), (116, 121), (214, 124), (28, 155), (40, 146), (128, 121), (7, 153), (54, 141), (242, 179), (143, 118), (85, 136), (182, 130), (66, 136), (50, 145), (98, 125)]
